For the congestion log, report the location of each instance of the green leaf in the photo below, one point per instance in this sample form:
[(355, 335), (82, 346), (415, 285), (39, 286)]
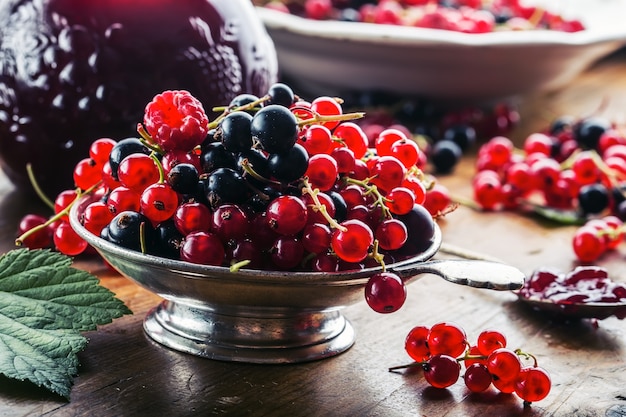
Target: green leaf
[(44, 305), (567, 217)]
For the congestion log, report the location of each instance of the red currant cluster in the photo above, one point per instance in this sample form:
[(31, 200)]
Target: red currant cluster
[(274, 182), (584, 284), (574, 166), (468, 16), (440, 349), (597, 236), (36, 231), (443, 133)]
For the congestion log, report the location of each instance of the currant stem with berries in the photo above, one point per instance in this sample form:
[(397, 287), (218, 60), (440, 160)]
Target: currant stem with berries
[(439, 350), (63, 213)]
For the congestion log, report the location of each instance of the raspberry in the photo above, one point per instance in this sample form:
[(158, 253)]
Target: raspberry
[(176, 120)]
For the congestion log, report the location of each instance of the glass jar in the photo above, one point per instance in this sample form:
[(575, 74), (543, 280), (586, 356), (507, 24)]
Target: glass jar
[(72, 71)]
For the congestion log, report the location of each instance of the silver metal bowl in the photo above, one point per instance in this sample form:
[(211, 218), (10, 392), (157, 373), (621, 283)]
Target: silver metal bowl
[(260, 316)]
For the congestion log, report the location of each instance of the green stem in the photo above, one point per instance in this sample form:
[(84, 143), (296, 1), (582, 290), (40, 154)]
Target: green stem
[(379, 199), (159, 167), (527, 355), (318, 118), (238, 265), (467, 202), (37, 188), (226, 110), (19, 241), (307, 189), (408, 365), (142, 237), (147, 140), (377, 256), (249, 169)]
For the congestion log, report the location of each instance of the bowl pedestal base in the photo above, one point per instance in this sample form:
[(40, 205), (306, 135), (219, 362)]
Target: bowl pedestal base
[(252, 335)]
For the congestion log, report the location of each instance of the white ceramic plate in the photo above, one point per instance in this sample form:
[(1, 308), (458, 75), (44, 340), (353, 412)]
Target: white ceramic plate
[(331, 57)]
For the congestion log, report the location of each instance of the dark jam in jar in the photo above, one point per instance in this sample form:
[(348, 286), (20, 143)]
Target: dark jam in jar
[(72, 71)]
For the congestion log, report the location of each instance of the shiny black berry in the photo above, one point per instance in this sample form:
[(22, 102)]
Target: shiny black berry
[(276, 128), (289, 166), (225, 185), (183, 178), (445, 154), (420, 227), (167, 240), (242, 100), (215, 156), (234, 132), (587, 132), (281, 94), (256, 165), (462, 135), (130, 229), (593, 199), (341, 208)]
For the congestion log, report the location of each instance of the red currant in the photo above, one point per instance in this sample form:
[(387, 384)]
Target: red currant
[(352, 241), (385, 292)]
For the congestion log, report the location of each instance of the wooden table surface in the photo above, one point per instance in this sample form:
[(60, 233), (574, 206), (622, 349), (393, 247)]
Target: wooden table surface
[(124, 373)]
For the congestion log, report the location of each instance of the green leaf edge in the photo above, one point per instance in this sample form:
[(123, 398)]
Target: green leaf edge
[(17, 263)]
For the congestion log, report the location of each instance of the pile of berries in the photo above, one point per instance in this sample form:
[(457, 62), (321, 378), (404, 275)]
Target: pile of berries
[(444, 133), (272, 183), (596, 237), (440, 349), (584, 284), (467, 16), (575, 166)]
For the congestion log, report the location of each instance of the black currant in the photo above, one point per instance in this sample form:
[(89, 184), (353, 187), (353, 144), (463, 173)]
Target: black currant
[(234, 132), (561, 124), (225, 185), (242, 100), (593, 198), (587, 132), (445, 154), (276, 128), (256, 160), (420, 227), (183, 178), (260, 200), (461, 134), (281, 94), (215, 156), (167, 240), (341, 208), (129, 229), (289, 166)]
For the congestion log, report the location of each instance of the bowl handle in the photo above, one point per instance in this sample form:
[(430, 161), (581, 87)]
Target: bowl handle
[(473, 273)]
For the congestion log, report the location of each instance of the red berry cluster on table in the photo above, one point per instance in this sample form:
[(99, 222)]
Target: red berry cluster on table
[(577, 167), (272, 183), (440, 349), (467, 16), (573, 173), (444, 132)]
